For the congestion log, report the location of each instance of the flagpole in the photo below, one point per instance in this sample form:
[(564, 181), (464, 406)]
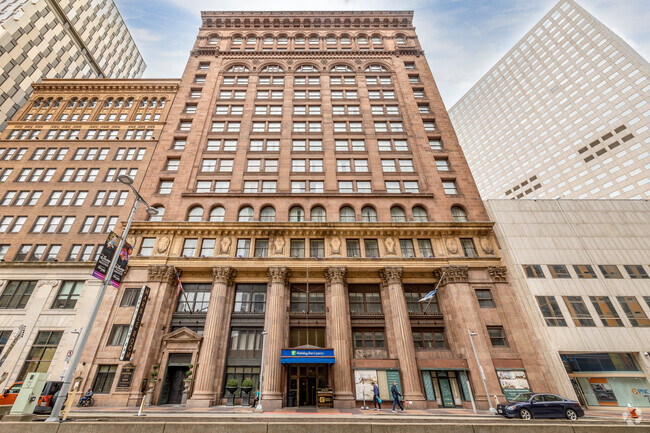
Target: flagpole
[(182, 291), (435, 290)]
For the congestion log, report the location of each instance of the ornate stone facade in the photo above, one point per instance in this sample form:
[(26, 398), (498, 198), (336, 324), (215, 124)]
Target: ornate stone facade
[(288, 192)]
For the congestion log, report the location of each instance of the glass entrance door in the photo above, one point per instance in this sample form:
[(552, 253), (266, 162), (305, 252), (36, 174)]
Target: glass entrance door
[(304, 381)]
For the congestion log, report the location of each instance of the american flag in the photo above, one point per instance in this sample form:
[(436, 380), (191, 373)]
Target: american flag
[(180, 285)]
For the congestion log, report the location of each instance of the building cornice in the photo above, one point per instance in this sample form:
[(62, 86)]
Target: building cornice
[(333, 20), (105, 85), (320, 54)]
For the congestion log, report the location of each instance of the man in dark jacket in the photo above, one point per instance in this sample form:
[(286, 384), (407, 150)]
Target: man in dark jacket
[(375, 396), (396, 395)]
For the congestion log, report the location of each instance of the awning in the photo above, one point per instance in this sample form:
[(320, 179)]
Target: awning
[(307, 356)]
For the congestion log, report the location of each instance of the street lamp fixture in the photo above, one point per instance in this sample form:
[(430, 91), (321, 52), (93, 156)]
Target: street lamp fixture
[(480, 368), (259, 402), (85, 333)]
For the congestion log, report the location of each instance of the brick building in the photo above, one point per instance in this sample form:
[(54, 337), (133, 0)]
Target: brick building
[(59, 160), (310, 184)]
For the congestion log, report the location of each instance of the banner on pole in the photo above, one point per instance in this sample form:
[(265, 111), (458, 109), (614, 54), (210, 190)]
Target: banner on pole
[(134, 327), (105, 257)]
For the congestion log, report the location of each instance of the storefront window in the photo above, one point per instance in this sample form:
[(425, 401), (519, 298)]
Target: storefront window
[(447, 388)]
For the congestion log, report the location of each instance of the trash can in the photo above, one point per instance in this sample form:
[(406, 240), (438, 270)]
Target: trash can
[(291, 398)]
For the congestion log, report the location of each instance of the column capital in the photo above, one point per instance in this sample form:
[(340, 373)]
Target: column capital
[(223, 274), (278, 274), (392, 274), (499, 274), (453, 274), (335, 274), (162, 273)]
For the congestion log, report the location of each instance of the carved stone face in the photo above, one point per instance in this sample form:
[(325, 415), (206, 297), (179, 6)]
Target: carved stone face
[(163, 244)]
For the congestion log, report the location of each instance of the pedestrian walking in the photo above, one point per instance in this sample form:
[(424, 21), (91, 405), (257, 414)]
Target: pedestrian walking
[(396, 395), (375, 396)]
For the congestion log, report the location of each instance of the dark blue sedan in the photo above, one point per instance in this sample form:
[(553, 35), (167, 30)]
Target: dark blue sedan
[(530, 405)]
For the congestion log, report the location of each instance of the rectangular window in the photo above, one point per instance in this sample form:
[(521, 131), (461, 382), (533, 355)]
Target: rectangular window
[(428, 339), (497, 336), (426, 250), (368, 338), (484, 297), (469, 250), (146, 249), (207, 247), (16, 294), (450, 187), (353, 247), (633, 311), (41, 354), (578, 311), (189, 247), (610, 271), (317, 248), (297, 248), (130, 297), (533, 271), (68, 295), (559, 271), (406, 245), (606, 312), (372, 247), (636, 271), (118, 335), (551, 311), (261, 248), (104, 379), (243, 248), (584, 271)]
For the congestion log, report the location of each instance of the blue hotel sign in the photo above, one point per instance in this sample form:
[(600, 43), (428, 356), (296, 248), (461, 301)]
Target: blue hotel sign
[(307, 356)]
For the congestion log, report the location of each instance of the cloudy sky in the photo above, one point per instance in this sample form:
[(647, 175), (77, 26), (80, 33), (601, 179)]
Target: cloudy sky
[(462, 39)]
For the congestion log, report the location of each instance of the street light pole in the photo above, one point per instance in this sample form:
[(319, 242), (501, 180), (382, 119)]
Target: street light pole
[(259, 402), (85, 333), (480, 368)]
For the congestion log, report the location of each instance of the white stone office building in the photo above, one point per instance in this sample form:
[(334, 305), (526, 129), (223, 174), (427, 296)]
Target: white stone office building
[(61, 39), (582, 268), (564, 114)]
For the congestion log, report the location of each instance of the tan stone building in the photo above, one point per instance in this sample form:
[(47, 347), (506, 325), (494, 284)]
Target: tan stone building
[(311, 185), (61, 39), (581, 270), (59, 160)]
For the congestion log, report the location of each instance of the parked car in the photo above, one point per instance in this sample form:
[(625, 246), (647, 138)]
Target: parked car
[(45, 402), (531, 405)]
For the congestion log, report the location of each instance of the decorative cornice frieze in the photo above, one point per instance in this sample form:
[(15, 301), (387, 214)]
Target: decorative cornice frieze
[(499, 274), (391, 275), (53, 283), (453, 274), (223, 274), (278, 274), (162, 273), (335, 274)]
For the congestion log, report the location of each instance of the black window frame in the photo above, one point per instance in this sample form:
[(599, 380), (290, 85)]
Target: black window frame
[(17, 300), (70, 299), (104, 376)]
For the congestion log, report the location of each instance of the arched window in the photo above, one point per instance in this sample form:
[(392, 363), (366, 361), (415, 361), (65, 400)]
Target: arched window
[(161, 102), (459, 215), (397, 214), (93, 103), (246, 214), (143, 103), (376, 68), (152, 103), (341, 68), (56, 103), (71, 103), (369, 214), (159, 215), (129, 103), (108, 103), (296, 214), (272, 68), (267, 214), (39, 101), (420, 214), (307, 68), (346, 214), (195, 214), (237, 68), (318, 214), (118, 102), (217, 214)]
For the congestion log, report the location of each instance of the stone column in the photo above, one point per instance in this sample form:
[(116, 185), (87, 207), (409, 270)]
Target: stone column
[(213, 334), (392, 278), (275, 324), (457, 302), (339, 333)]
